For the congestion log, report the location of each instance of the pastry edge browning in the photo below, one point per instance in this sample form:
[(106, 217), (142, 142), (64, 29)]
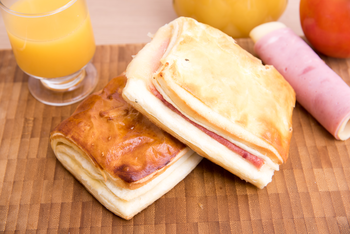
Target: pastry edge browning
[(59, 137)]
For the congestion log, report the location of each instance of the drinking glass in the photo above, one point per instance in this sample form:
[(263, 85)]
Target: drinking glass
[(53, 42)]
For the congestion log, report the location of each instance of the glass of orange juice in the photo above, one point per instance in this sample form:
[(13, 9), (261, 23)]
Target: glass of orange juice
[(53, 43)]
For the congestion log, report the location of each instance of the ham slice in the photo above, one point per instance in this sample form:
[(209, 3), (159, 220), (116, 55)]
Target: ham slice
[(253, 159), (318, 88)]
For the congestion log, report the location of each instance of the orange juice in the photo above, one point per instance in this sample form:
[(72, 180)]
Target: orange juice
[(53, 43)]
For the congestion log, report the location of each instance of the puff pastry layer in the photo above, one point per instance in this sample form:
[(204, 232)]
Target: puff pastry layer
[(216, 84), (123, 159)]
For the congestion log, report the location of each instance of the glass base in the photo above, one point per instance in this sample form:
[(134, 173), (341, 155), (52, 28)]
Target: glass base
[(51, 92)]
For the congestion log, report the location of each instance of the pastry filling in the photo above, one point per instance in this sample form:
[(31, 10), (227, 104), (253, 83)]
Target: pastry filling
[(253, 159)]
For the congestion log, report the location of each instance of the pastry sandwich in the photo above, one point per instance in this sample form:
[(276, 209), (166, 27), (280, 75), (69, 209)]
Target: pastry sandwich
[(122, 158), (196, 83)]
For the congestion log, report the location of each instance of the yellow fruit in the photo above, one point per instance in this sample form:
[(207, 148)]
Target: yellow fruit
[(234, 17)]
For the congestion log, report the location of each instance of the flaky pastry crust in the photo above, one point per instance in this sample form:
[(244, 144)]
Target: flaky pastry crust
[(123, 159), (215, 83)]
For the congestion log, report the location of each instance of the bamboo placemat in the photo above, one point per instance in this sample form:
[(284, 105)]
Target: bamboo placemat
[(310, 193)]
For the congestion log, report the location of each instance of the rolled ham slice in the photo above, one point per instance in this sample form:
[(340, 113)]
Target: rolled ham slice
[(318, 88)]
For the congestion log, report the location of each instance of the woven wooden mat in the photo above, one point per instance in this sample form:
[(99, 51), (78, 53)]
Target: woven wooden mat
[(310, 193)]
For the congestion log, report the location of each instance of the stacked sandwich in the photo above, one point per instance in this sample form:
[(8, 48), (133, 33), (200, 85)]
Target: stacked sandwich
[(196, 84)]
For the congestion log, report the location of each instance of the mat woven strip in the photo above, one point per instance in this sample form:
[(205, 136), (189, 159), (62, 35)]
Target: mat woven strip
[(310, 193)]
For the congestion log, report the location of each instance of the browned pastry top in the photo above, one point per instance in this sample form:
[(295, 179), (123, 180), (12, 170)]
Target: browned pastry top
[(117, 138)]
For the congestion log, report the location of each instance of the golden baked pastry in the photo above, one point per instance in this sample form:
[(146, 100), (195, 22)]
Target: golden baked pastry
[(196, 83), (123, 159)]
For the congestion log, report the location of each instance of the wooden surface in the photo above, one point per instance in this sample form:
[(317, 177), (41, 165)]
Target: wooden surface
[(119, 22), (310, 194)]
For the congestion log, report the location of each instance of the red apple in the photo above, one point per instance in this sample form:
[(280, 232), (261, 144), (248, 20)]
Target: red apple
[(326, 25)]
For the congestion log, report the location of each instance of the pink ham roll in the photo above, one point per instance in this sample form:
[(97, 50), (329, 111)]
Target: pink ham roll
[(318, 88)]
